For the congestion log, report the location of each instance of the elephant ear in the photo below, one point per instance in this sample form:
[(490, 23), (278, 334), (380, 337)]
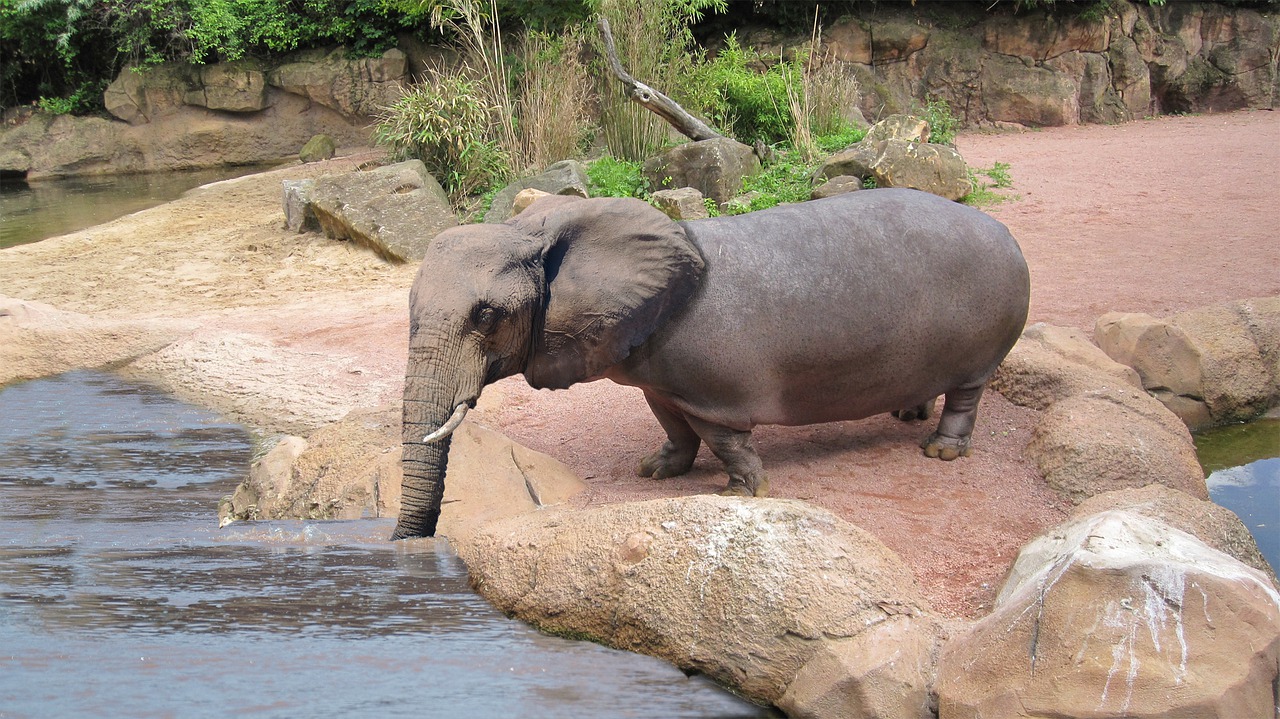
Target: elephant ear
[(616, 270)]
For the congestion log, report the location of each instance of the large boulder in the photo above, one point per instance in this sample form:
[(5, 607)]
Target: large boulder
[(351, 468), (353, 86), (394, 210), (1211, 365), (1051, 363), (1211, 523), (685, 203), (230, 87), (896, 153), (1113, 438), (1116, 614), (567, 177), (779, 600), (139, 95), (714, 167)]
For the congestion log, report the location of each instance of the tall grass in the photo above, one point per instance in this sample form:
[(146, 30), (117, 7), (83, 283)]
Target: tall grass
[(554, 95), (652, 38)]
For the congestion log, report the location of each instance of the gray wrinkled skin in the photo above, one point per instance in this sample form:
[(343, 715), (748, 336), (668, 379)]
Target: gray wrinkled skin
[(835, 309)]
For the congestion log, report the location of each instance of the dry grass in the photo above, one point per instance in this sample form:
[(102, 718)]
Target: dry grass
[(554, 93)]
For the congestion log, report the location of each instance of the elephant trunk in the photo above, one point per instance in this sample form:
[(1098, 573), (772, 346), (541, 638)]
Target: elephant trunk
[(429, 403)]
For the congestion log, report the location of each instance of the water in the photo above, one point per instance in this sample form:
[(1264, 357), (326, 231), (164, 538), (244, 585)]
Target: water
[(1242, 462), (30, 212), (120, 596)]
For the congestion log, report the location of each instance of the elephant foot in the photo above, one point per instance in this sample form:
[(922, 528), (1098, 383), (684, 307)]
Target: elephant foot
[(668, 461), (924, 410), (753, 486), (945, 448)]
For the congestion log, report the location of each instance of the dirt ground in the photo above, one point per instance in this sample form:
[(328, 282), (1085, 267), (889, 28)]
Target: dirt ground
[(1154, 216)]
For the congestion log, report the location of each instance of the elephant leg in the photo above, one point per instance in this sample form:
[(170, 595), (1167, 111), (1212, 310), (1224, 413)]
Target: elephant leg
[(924, 410), (746, 472), (676, 455), (955, 428)]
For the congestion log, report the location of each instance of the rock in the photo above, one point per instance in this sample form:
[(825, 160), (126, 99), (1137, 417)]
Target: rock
[(351, 468), (319, 147), (1113, 439), (139, 95), (1211, 523), (1116, 614), (856, 161), (270, 478), (230, 87), (567, 177), (895, 153), (921, 166), (1046, 36), (776, 599), (714, 167), (39, 340), (838, 185), (740, 204), (885, 672), (394, 210), (337, 472), (897, 127), (685, 203), (1015, 91), (352, 86), (491, 478), (183, 138), (524, 198), (1051, 363), (298, 215), (1211, 365)]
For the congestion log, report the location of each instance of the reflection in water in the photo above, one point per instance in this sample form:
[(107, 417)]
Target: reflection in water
[(33, 211), (117, 600), (1243, 464)]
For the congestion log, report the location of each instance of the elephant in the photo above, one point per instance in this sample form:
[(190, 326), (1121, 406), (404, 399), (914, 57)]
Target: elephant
[(829, 310)]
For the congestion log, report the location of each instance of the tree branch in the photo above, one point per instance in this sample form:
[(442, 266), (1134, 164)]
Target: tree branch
[(652, 100)]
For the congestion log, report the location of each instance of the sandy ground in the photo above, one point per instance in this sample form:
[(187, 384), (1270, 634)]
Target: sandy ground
[(1155, 216)]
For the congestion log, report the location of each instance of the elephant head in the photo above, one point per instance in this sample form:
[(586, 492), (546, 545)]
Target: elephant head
[(561, 293)]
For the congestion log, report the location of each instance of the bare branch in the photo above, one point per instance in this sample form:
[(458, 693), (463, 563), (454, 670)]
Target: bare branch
[(652, 100)]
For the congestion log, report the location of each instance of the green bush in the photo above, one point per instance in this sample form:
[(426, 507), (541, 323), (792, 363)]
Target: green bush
[(448, 124), (743, 102), (611, 177), (54, 48), (942, 124)]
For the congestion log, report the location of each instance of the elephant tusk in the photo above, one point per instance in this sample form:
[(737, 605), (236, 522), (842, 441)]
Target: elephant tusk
[(447, 428)]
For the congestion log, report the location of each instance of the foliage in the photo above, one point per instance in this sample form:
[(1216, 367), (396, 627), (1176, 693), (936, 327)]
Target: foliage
[(981, 194), (789, 178), (752, 106), (447, 122), (612, 177), (552, 106), (942, 124), (55, 48), (653, 41)]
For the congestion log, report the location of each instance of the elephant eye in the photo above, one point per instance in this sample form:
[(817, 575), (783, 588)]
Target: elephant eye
[(484, 317)]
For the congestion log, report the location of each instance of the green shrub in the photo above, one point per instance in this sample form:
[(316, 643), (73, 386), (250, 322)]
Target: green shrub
[(611, 177), (447, 123), (942, 124), (740, 101)]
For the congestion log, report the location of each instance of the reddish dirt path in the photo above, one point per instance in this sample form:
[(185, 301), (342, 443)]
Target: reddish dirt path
[(1155, 216)]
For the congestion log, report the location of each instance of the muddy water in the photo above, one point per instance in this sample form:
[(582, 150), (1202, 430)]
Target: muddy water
[(120, 596), (30, 212)]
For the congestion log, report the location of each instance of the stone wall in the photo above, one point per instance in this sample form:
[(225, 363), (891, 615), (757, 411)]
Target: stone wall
[(1042, 69)]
